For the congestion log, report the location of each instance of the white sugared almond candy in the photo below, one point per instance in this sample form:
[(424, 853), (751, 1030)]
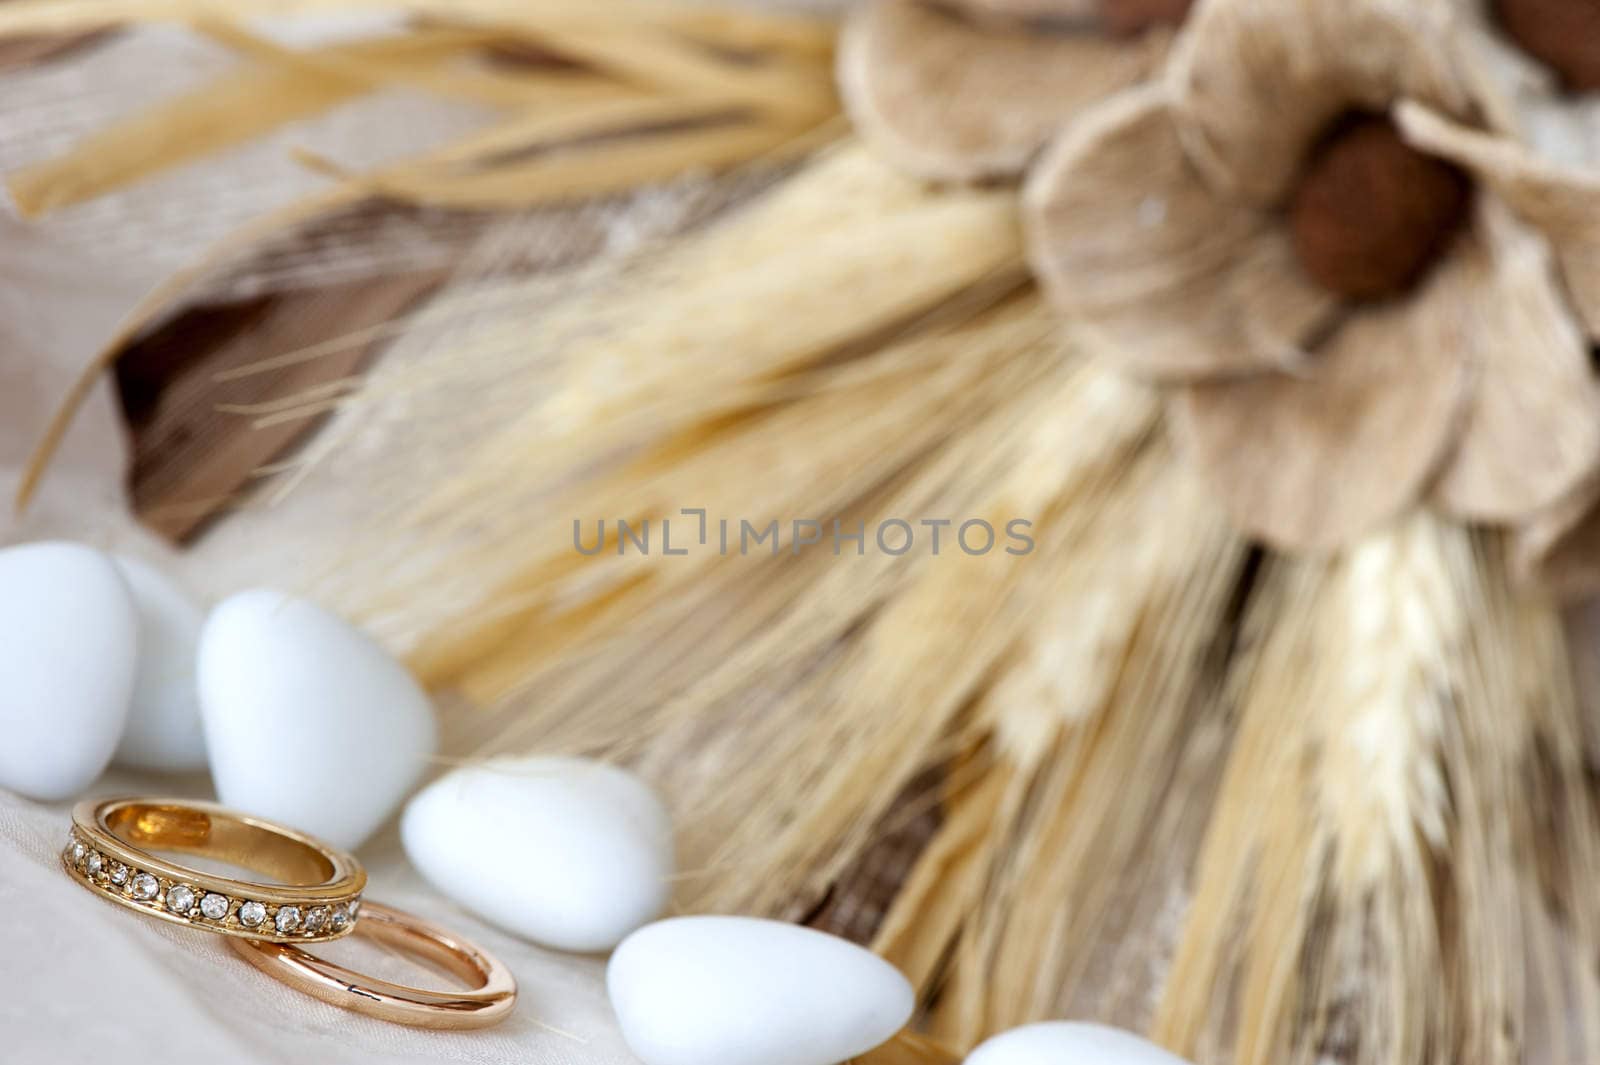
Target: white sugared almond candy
[(308, 721), (68, 654), (571, 853), (743, 991), (1070, 1043)]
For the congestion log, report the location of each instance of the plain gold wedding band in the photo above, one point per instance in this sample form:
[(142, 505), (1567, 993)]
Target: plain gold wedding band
[(314, 893), (493, 989)]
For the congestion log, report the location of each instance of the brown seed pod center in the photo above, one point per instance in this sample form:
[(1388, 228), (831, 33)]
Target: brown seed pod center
[(1562, 34), (1370, 213), (1124, 18)]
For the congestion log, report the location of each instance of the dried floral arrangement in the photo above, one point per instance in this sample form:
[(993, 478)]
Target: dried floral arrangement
[(1275, 319)]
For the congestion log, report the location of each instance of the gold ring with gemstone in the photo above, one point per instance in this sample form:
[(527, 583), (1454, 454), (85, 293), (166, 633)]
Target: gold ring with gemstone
[(492, 992), (314, 895)]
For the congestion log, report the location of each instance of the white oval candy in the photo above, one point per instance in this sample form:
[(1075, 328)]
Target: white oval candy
[(68, 651), (571, 853), (308, 721), (1069, 1043), (742, 991), (163, 729)]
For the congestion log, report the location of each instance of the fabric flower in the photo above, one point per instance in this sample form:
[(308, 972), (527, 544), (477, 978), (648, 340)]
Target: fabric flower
[(973, 91), (1364, 293)]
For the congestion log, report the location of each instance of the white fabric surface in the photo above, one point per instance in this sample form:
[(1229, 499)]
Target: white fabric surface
[(82, 980)]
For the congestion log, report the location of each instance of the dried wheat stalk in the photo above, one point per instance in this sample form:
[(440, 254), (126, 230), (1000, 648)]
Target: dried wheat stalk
[(840, 255), (1077, 741), (1363, 890)]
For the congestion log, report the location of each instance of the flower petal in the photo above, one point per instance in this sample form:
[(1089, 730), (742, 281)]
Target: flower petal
[(1256, 83), (1563, 202), (1532, 431), (1315, 460), (955, 101), (1169, 280), (1558, 549)]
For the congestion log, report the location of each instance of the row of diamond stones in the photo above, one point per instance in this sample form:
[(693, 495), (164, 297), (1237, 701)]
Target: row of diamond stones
[(184, 901)]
